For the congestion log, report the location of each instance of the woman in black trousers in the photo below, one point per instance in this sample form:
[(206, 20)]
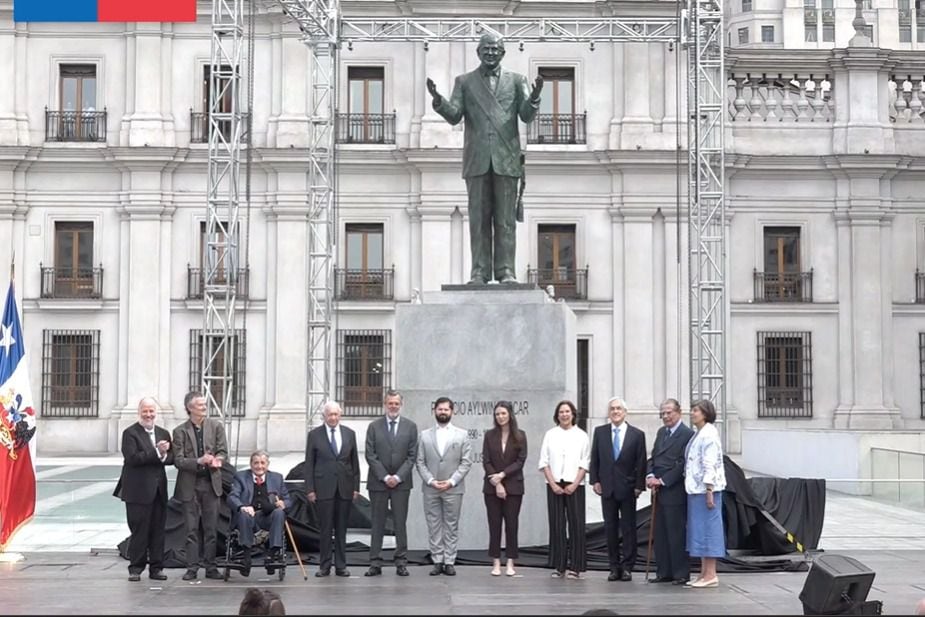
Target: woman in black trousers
[(504, 451)]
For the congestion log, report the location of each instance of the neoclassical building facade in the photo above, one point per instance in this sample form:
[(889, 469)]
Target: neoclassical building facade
[(103, 203)]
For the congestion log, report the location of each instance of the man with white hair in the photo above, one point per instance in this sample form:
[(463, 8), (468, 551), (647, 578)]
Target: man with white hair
[(618, 475), (143, 487), (332, 482)]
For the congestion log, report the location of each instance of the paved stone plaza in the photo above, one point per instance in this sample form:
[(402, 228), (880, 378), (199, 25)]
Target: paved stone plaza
[(71, 566)]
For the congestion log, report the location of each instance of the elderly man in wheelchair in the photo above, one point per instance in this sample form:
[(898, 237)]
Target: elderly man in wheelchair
[(258, 502)]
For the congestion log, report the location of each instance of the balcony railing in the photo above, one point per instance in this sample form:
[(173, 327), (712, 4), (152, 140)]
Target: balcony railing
[(568, 283), (75, 125), (72, 282), (364, 284), (919, 287), (196, 278), (784, 286), (366, 128), (762, 98), (557, 129), (199, 127)]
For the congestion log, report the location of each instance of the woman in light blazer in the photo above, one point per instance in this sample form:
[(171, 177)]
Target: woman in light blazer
[(504, 451), (704, 481)]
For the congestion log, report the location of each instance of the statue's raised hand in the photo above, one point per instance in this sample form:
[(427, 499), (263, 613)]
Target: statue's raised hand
[(432, 88), (537, 88)]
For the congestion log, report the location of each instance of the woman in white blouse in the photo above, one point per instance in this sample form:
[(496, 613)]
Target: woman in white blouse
[(564, 460), (704, 481)]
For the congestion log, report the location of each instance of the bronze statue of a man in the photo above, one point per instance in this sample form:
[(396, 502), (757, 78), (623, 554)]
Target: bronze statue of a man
[(491, 100)]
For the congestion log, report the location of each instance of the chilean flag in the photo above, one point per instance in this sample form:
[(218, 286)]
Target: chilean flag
[(104, 10), (17, 426)]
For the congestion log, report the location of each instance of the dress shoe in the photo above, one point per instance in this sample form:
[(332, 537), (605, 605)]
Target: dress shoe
[(345, 572), (134, 577), (401, 571), (373, 571), (247, 558), (437, 570), (661, 579), (614, 575), (702, 583), (214, 574), (157, 575), (322, 573), (507, 279), (680, 581), (190, 575), (449, 569), (626, 576)]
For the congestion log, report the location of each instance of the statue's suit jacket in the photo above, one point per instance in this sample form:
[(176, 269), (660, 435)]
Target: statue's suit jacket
[(391, 456), (453, 465), (492, 136)]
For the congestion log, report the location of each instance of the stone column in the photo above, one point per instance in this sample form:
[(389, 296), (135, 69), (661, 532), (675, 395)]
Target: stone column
[(436, 234), (144, 301), (864, 298), (862, 123), (618, 316), (146, 121), (421, 98), (282, 422), (8, 130), (637, 118), (638, 294), (292, 128), (618, 84), (276, 81)]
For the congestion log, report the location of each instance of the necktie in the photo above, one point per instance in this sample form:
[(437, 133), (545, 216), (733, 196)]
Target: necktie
[(616, 443), (333, 442), (151, 436), (492, 81), (391, 428), (258, 480)]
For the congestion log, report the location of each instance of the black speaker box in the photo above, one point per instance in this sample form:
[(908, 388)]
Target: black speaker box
[(838, 585)]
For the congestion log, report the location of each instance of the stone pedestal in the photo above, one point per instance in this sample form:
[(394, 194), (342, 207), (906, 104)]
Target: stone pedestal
[(478, 347)]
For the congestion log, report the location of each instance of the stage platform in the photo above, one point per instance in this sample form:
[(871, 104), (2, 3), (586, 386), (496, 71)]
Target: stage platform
[(70, 583), (71, 566)]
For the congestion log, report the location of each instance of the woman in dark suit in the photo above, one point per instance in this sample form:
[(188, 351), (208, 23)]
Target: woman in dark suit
[(504, 451)]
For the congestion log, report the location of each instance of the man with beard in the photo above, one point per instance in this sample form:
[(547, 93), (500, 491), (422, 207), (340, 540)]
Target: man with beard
[(443, 460), (143, 488)]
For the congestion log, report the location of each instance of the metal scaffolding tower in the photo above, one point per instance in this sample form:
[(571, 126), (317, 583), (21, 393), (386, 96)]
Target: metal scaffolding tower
[(325, 28), (220, 267), (706, 227)]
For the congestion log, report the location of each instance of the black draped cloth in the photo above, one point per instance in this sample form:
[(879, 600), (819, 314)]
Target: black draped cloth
[(769, 523)]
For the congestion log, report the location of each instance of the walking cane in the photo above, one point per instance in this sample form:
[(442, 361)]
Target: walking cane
[(651, 532), (295, 548)]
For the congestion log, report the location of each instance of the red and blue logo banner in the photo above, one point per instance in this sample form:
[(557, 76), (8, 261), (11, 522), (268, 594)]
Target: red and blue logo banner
[(104, 10), (17, 426)]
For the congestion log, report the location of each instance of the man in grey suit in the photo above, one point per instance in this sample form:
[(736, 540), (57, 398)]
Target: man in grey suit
[(391, 451), (443, 460), (332, 481), (491, 100), (200, 448), (665, 479)]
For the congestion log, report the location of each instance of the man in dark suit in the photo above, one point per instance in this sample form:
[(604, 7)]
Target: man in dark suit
[(143, 488), (391, 450), (665, 479), (332, 481), (200, 448), (491, 100), (258, 500), (618, 475)]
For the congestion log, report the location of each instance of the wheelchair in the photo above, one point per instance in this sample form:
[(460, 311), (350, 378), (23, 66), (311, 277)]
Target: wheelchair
[(234, 555)]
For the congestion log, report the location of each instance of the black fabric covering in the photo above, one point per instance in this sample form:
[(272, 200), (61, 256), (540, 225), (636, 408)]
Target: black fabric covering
[(749, 505)]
